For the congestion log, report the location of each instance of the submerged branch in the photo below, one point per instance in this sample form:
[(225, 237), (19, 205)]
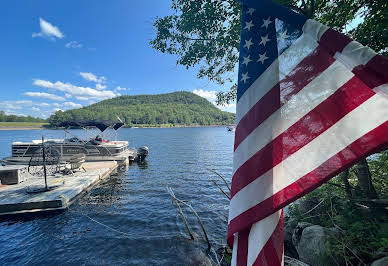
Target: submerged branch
[(220, 188), (178, 201), (223, 179), (181, 213)]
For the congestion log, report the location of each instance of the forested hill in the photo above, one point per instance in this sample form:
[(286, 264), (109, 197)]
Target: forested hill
[(178, 108)]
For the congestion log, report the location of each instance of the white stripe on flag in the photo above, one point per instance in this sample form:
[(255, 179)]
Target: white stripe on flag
[(234, 253), (382, 90), (260, 232), (357, 123), (314, 29), (354, 54), (312, 95)]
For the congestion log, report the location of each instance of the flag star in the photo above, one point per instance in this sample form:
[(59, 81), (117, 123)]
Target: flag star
[(283, 35), (264, 40), (246, 60), (248, 25), (248, 43), (266, 22), (262, 58), (245, 77), (250, 11)]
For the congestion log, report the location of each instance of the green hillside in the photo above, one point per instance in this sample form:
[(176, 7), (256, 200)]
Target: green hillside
[(178, 108)]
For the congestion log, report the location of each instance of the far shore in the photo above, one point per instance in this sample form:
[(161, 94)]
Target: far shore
[(137, 126), (21, 128)]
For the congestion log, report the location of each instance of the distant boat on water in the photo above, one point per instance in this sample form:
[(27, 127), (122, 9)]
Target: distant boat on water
[(231, 128)]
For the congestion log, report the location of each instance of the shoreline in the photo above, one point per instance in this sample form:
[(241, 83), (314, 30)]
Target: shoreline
[(21, 128), (2, 128)]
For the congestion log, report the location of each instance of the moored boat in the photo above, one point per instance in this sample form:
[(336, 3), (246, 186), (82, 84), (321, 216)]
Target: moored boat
[(95, 148)]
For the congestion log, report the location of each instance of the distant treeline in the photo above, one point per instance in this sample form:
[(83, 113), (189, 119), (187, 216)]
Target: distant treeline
[(16, 118), (180, 108)]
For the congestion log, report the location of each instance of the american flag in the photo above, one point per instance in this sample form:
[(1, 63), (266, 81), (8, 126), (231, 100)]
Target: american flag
[(311, 102)]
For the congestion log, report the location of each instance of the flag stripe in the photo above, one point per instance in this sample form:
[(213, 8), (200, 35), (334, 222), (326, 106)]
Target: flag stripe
[(370, 114), (374, 73), (272, 253), (235, 247), (242, 248), (260, 233), (308, 69), (334, 41), (326, 114), (369, 143), (322, 87), (355, 54), (382, 90)]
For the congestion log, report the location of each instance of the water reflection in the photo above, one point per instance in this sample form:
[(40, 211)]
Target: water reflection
[(143, 164)]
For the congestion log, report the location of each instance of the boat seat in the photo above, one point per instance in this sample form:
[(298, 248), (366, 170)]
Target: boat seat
[(76, 162)]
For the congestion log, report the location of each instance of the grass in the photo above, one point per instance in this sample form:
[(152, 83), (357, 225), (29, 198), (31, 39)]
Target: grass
[(22, 124)]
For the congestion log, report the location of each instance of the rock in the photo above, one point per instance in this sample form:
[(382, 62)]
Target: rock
[(297, 233), (198, 258), (289, 227), (380, 262), (293, 262), (313, 245)]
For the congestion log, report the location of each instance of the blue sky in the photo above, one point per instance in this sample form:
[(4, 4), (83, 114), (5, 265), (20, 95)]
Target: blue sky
[(68, 54)]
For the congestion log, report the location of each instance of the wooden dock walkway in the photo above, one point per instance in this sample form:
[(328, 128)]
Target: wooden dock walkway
[(14, 199)]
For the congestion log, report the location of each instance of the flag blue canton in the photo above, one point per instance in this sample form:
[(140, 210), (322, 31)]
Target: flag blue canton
[(263, 39)]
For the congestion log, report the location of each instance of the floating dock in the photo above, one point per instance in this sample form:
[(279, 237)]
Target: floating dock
[(15, 200)]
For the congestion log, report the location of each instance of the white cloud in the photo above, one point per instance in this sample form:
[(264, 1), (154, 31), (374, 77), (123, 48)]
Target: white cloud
[(67, 95), (72, 105), (100, 87), (36, 109), (45, 95), (82, 98), (45, 104), (211, 96), (228, 107), (47, 30), (57, 109), (91, 77), (74, 44), (15, 105), (118, 88), (74, 90)]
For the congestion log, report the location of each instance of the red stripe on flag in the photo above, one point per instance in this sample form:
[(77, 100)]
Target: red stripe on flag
[(266, 106), (374, 73), (343, 101), (334, 41), (272, 252), (242, 246), (372, 142), (307, 70)]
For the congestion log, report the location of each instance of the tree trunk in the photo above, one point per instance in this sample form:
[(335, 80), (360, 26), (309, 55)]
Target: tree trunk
[(365, 180), (344, 176)]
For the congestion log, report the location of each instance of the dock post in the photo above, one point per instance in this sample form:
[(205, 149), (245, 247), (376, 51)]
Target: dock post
[(44, 164)]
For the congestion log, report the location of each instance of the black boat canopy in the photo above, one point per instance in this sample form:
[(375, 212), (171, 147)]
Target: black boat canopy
[(102, 125)]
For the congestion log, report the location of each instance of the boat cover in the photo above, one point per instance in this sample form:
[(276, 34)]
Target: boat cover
[(102, 125)]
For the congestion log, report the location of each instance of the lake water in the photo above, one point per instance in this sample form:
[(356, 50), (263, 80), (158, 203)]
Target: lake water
[(129, 218)]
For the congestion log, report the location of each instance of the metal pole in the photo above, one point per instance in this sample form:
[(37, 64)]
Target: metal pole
[(44, 163)]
